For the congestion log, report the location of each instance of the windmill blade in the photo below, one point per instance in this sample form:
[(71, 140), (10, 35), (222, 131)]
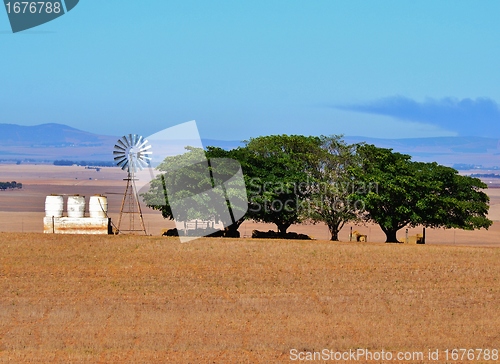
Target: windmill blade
[(121, 144), (146, 158), (123, 164), (144, 155), (142, 163), (119, 162), (125, 141), (143, 143), (136, 166)]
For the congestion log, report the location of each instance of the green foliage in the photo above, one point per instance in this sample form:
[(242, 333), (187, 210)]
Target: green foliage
[(330, 200), (189, 181), (278, 169), (198, 188), (290, 178), (416, 193)]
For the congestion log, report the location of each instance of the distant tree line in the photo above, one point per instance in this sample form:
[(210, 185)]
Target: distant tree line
[(465, 166), (485, 175), (10, 185), (293, 178), (64, 162)]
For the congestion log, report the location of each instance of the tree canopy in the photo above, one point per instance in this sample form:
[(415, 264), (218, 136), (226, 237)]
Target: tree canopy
[(278, 169), (192, 187), (330, 200), (415, 193), (293, 178)]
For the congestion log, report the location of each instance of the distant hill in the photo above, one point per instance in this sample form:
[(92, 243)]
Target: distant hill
[(444, 150), (55, 135), (49, 142), (437, 144)]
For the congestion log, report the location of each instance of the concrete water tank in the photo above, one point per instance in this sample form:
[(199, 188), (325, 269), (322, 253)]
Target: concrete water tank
[(54, 205), (76, 206), (98, 206)]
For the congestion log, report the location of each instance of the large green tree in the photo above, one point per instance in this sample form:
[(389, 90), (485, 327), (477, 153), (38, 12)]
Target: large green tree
[(192, 186), (277, 170), (331, 199), (415, 193), (280, 170)]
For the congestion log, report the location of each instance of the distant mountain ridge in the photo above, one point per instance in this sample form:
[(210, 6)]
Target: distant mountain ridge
[(458, 144), (49, 142), (45, 135), (477, 151)]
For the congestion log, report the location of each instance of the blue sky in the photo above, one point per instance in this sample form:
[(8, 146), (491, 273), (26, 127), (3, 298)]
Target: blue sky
[(392, 69)]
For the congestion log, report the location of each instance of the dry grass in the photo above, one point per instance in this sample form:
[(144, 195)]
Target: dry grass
[(131, 299)]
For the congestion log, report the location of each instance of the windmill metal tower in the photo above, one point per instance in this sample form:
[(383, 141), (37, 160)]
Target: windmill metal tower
[(131, 154)]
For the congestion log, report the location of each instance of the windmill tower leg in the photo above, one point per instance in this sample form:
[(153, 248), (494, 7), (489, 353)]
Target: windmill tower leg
[(131, 207), (143, 227), (122, 208)]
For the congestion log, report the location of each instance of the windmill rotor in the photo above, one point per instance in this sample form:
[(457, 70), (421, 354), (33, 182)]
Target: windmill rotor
[(132, 153)]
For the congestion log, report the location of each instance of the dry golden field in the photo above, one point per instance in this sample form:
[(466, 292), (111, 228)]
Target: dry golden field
[(130, 299), (150, 299)]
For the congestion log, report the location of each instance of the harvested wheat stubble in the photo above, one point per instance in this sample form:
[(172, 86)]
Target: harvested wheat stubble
[(79, 299)]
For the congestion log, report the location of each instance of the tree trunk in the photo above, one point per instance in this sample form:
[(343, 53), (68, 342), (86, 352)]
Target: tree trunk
[(335, 226), (334, 233), (390, 235), (282, 227), (231, 231)]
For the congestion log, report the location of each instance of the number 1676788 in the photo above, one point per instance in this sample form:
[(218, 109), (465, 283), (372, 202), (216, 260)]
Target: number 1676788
[(33, 7)]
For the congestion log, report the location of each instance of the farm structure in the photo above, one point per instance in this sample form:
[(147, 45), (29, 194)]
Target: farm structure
[(76, 222)]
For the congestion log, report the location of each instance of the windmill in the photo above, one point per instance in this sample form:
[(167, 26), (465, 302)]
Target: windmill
[(132, 154)]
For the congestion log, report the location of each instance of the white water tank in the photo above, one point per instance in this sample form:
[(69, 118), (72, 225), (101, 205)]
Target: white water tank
[(54, 205), (98, 206), (76, 206)]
